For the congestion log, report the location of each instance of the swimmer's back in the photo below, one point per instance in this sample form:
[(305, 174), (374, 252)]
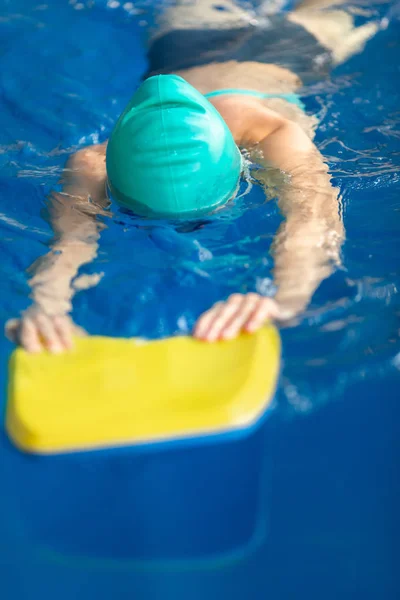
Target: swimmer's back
[(278, 42)]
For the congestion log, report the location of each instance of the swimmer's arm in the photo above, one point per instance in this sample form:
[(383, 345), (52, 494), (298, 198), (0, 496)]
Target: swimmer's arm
[(73, 216), (308, 242), (307, 245)]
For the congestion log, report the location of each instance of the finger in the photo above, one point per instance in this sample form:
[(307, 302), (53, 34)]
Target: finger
[(234, 326), (63, 328), (11, 329), (225, 315), (79, 331), (29, 336), (204, 321), (266, 309), (48, 334)]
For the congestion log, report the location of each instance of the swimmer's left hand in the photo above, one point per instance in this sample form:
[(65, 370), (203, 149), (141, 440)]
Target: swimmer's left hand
[(37, 331), (241, 312)]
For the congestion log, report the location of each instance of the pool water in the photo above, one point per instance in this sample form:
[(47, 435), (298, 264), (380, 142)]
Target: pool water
[(66, 72)]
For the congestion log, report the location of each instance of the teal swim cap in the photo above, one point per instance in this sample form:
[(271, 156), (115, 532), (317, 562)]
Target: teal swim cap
[(171, 154)]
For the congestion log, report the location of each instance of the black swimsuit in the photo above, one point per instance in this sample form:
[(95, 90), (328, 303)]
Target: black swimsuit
[(278, 42)]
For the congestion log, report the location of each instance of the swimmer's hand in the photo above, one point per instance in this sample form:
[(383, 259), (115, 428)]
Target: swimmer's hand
[(241, 312), (36, 331)]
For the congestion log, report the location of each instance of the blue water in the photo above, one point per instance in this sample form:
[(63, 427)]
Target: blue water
[(65, 75)]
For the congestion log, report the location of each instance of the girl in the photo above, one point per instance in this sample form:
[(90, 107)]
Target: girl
[(234, 75)]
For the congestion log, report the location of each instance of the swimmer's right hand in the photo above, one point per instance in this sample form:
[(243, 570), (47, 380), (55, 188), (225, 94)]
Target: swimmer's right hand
[(36, 331)]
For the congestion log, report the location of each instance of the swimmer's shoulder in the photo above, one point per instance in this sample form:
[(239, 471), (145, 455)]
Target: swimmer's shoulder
[(247, 117), (92, 153), (90, 160), (250, 118), (85, 174)]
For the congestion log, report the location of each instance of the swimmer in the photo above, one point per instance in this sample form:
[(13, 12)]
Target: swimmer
[(218, 81)]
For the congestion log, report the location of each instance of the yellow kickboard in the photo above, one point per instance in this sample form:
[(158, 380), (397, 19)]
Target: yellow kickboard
[(114, 392)]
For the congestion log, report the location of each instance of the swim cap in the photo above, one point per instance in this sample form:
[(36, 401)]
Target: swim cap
[(171, 154)]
